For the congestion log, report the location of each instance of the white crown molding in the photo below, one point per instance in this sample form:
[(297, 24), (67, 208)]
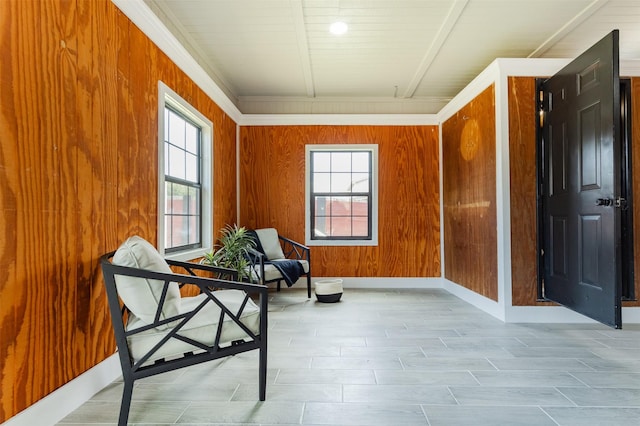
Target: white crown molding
[(339, 119)]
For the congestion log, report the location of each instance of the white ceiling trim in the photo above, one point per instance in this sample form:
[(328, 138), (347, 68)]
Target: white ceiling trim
[(449, 23), (142, 16), (303, 45), (568, 27), (339, 119)]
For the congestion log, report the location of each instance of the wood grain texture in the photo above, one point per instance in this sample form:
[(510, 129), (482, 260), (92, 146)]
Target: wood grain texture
[(469, 196), (273, 159), (78, 166), (635, 158), (522, 169)]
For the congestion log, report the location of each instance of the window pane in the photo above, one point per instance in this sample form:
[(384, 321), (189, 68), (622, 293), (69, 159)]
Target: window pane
[(166, 158), (321, 161), (192, 168), (166, 124), (360, 226), (180, 231), (361, 161), (167, 231), (340, 182), (321, 182), (340, 161), (360, 182), (179, 199), (176, 162), (341, 226), (168, 198), (194, 229), (176, 129), (340, 206), (191, 141), (360, 206), (193, 207)]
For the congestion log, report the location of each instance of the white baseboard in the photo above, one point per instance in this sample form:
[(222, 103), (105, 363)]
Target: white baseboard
[(64, 400), (489, 306), (387, 283)]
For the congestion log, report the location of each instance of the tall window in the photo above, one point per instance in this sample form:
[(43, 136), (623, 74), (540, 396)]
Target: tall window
[(182, 182), (342, 192), (185, 177)]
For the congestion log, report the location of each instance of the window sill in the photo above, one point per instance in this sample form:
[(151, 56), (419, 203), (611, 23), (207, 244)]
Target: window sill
[(187, 255)]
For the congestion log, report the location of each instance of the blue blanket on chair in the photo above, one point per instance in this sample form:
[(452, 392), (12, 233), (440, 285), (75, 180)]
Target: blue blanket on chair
[(290, 269)]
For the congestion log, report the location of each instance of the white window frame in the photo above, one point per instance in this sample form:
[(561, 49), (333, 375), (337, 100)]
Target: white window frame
[(373, 149), (167, 97)]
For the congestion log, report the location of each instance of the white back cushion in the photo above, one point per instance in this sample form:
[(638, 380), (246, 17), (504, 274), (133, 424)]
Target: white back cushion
[(270, 243), (139, 294)]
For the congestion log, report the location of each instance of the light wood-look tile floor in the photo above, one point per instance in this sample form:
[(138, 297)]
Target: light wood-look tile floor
[(405, 357)]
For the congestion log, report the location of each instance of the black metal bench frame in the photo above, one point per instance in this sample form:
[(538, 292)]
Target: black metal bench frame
[(132, 370)]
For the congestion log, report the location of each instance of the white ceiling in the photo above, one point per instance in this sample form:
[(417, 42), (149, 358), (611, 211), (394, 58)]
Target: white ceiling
[(399, 56)]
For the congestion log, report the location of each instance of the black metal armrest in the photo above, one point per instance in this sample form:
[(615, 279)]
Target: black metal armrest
[(230, 274), (256, 261), (294, 248)]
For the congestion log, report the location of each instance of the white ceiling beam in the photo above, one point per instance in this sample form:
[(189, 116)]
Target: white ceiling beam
[(443, 33), (303, 45), (568, 27)]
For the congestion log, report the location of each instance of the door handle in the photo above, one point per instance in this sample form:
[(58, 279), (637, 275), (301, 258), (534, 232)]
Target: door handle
[(604, 202), (619, 202)]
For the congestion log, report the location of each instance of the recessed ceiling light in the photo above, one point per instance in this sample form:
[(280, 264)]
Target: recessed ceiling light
[(338, 28)]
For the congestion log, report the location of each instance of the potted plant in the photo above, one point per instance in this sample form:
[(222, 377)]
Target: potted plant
[(232, 251)]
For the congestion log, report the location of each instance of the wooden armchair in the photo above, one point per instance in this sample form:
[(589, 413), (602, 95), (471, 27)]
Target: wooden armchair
[(157, 330)]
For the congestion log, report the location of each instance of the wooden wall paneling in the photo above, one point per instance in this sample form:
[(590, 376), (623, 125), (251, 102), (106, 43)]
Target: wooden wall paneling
[(272, 194), (635, 156), (522, 160), (469, 194), (254, 177), (10, 198), (59, 206), (96, 223), (88, 221), (126, 141), (138, 75), (79, 130), (225, 170)]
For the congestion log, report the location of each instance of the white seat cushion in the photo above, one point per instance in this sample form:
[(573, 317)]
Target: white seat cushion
[(270, 243), (271, 273), (202, 327), (141, 295)]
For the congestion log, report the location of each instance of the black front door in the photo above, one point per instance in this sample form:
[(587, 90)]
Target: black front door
[(581, 184)]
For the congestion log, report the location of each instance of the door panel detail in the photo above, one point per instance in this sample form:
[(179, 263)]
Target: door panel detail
[(590, 147), (590, 234)]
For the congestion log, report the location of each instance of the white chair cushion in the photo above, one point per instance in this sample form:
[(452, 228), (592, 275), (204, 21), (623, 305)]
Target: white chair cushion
[(270, 243), (271, 272), (202, 327), (139, 294)]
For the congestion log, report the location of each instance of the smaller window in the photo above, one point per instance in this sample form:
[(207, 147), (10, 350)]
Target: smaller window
[(341, 195)]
